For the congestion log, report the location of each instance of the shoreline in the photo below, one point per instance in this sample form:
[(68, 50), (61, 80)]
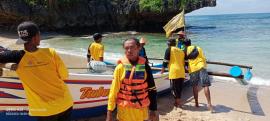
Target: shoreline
[(231, 101)]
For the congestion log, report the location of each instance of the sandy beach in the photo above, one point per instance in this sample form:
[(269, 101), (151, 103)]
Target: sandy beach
[(231, 101)]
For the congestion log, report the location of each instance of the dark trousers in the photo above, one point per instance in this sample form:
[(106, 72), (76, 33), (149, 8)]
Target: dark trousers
[(64, 116), (176, 87)]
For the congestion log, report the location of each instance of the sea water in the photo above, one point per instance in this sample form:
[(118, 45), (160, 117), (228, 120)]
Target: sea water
[(237, 38)]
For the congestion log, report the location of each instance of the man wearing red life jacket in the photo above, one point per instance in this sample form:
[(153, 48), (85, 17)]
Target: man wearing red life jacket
[(133, 88)]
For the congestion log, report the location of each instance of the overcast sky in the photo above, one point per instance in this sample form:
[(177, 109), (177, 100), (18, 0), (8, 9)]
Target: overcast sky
[(235, 6)]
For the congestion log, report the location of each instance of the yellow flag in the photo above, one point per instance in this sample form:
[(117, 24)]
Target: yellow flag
[(176, 22)]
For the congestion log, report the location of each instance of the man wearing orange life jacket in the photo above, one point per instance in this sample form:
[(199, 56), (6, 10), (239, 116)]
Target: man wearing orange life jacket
[(133, 87)]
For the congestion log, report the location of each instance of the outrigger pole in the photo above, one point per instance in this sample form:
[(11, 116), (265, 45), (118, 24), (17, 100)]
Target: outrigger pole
[(214, 62)]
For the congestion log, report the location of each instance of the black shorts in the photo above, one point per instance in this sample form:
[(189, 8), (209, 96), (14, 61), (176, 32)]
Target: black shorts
[(200, 77), (176, 87)]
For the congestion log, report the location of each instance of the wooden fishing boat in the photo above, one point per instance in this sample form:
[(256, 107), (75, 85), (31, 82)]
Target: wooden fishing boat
[(89, 92)]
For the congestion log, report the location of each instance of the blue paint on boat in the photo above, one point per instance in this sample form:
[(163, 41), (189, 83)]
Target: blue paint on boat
[(76, 114)]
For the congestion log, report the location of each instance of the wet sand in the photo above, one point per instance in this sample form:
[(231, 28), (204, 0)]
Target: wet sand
[(231, 101)]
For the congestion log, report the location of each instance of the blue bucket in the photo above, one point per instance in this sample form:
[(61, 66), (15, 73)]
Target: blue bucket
[(235, 71)]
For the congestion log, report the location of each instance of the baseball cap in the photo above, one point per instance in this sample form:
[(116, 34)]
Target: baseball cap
[(26, 31)]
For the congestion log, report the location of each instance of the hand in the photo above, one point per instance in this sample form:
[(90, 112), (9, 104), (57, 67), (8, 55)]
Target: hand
[(14, 67), (153, 116), (109, 116), (162, 70)]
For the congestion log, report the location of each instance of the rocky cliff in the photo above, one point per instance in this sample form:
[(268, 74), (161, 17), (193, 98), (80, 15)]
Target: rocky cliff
[(94, 15)]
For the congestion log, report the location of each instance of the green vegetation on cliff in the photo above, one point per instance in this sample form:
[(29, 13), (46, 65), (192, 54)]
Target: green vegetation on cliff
[(151, 5), (145, 5), (160, 5), (96, 15)]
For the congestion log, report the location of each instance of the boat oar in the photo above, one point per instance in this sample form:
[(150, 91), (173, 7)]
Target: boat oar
[(108, 66)]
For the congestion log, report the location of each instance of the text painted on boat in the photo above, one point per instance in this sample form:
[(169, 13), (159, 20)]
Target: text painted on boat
[(89, 92)]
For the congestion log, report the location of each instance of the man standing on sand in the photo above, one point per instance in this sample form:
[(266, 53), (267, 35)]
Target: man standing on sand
[(197, 72), (42, 73), (133, 88), (96, 49), (174, 60)]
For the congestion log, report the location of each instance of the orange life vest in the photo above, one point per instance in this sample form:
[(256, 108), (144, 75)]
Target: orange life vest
[(134, 89)]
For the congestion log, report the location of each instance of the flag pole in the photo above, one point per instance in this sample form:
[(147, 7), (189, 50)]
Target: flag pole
[(185, 24)]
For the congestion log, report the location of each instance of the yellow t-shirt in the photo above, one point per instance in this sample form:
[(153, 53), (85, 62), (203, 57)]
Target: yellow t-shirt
[(96, 51), (42, 73), (176, 63), (197, 63), (127, 113)]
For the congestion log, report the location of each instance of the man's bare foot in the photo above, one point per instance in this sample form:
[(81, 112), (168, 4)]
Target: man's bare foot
[(210, 108), (177, 103), (196, 105)]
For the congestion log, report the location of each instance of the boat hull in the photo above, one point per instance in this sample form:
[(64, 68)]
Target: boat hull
[(89, 93)]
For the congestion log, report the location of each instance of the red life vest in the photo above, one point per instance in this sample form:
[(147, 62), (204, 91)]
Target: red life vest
[(134, 89)]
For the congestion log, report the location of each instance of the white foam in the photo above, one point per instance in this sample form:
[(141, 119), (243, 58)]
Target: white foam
[(112, 57), (108, 56), (259, 81), (70, 53), (253, 81)]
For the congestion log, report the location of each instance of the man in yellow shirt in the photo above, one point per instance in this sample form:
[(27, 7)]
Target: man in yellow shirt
[(42, 73), (197, 72), (174, 59), (133, 88), (96, 49)]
